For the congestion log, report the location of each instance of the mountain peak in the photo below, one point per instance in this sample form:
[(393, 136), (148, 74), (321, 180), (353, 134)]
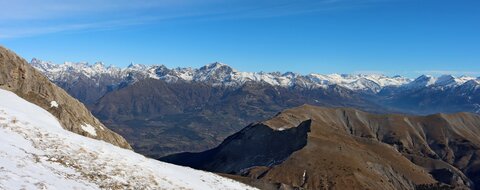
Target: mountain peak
[(99, 63), (446, 80), (214, 66), (422, 81), (218, 64), (423, 77), (446, 77), (133, 65), (35, 60), (289, 74), (98, 66)]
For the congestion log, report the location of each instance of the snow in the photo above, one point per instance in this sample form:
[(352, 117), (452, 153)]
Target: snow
[(282, 128), (37, 153), (89, 129), (53, 104)]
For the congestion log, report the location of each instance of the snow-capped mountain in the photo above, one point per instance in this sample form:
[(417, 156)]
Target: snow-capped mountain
[(37, 153), (215, 74), (221, 74), (444, 81)]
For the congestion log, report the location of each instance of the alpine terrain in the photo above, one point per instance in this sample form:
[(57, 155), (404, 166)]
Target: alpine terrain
[(240, 94), (162, 111)]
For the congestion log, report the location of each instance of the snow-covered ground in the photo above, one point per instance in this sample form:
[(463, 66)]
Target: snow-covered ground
[(37, 153)]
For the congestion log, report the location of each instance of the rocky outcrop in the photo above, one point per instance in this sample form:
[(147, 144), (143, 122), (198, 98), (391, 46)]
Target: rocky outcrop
[(351, 149), (18, 76)]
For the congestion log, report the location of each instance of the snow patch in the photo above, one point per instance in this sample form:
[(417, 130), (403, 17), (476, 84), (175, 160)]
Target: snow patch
[(53, 104), (89, 129), (283, 128)]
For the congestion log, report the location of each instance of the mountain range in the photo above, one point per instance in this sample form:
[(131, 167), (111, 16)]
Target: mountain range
[(113, 94), (387, 91), (161, 111), (219, 74), (49, 138)]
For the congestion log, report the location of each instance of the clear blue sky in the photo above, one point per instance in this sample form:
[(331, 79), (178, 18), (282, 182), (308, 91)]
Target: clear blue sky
[(406, 37)]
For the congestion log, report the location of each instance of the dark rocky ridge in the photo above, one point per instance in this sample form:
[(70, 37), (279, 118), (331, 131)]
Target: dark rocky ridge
[(367, 150), (18, 76), (248, 148)]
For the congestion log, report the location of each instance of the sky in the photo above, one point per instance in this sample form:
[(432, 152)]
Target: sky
[(392, 37)]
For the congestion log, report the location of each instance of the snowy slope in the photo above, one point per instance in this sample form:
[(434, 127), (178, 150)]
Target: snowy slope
[(36, 153)]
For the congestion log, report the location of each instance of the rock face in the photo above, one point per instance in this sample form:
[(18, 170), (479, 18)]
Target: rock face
[(351, 149), (18, 76)]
